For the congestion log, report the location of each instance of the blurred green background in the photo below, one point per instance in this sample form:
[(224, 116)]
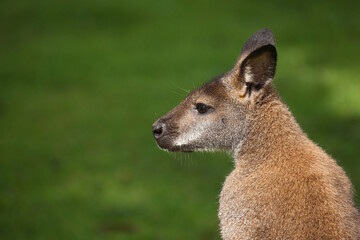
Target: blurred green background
[(81, 83)]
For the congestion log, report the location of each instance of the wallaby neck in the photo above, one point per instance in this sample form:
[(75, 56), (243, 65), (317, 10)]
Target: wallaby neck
[(272, 133)]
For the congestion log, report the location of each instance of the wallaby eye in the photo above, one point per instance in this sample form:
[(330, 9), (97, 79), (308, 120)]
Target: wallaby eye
[(202, 108)]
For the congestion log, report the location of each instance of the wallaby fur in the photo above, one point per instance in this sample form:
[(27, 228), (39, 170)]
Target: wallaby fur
[(283, 186)]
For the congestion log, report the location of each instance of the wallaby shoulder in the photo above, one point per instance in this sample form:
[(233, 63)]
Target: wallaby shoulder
[(289, 181)]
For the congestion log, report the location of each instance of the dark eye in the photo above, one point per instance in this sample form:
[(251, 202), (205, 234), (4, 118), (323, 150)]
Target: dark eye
[(202, 108)]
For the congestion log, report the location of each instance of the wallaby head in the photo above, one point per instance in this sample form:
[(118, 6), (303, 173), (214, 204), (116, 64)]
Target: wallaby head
[(283, 185), (218, 115)]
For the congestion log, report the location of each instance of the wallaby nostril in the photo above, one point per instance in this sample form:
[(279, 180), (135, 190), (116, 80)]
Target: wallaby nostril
[(158, 130)]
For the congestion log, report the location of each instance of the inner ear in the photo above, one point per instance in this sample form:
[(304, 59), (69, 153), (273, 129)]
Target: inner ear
[(258, 68)]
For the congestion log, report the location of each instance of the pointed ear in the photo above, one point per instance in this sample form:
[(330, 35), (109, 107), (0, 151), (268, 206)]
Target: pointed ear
[(257, 61)]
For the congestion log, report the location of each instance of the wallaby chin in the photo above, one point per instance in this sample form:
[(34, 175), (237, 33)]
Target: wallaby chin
[(182, 148), (283, 186)]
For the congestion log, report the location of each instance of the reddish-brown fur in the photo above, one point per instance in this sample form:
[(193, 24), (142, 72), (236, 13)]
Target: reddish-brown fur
[(283, 186), (293, 188)]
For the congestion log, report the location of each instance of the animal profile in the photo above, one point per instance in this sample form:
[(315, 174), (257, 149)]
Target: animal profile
[(283, 185)]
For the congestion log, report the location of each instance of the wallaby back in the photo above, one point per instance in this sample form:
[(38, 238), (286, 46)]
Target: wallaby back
[(283, 186)]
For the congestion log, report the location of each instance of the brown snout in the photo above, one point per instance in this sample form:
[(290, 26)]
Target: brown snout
[(162, 134), (158, 129)]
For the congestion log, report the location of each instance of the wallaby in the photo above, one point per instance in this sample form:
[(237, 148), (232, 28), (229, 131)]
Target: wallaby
[(283, 186)]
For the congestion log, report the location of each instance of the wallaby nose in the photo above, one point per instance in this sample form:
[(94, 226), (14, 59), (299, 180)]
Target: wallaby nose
[(158, 130)]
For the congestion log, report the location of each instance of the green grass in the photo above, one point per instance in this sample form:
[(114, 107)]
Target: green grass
[(82, 81)]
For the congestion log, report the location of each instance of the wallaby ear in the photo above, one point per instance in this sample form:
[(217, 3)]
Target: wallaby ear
[(257, 61)]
